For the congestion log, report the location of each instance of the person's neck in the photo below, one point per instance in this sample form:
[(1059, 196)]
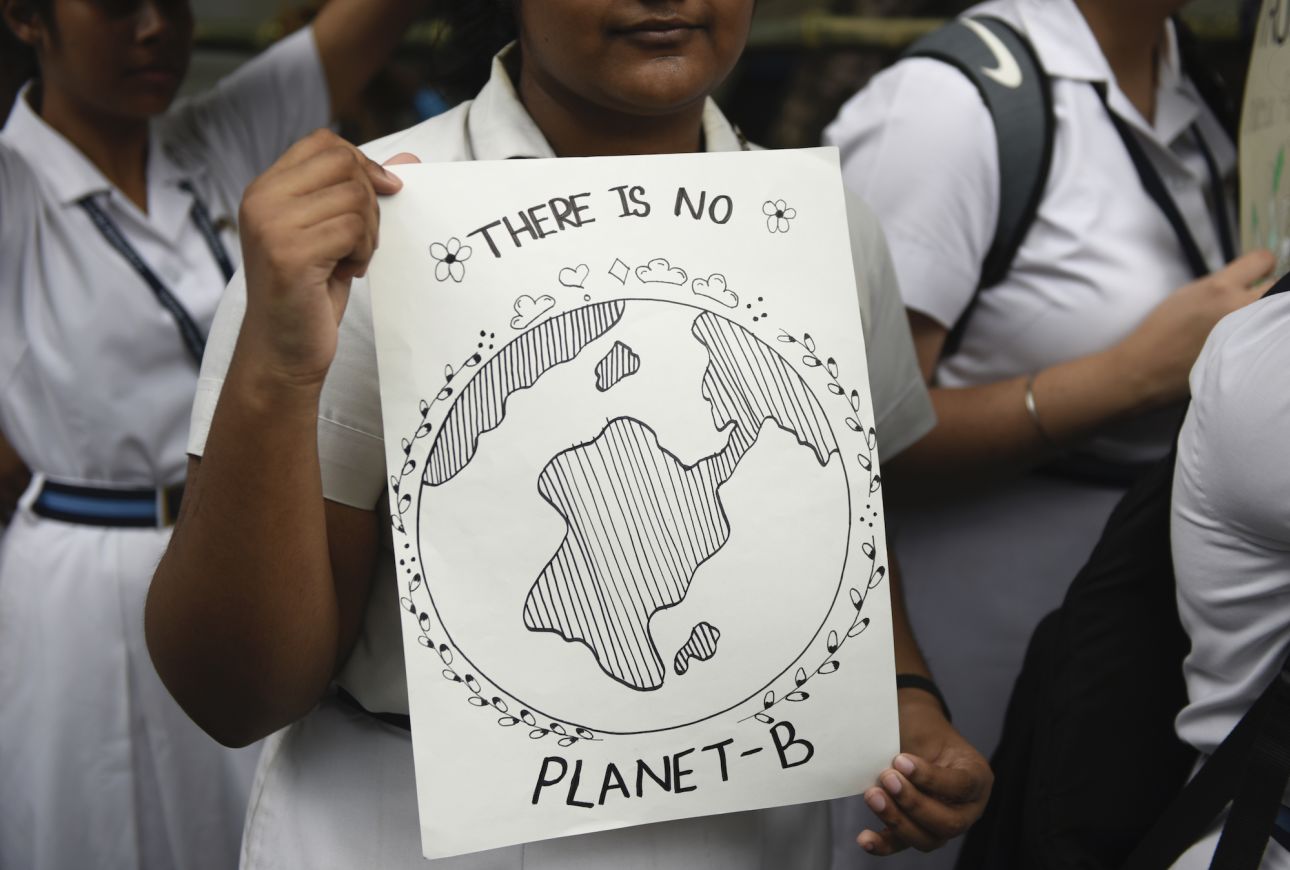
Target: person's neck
[(118, 147), (1131, 36), (575, 128)]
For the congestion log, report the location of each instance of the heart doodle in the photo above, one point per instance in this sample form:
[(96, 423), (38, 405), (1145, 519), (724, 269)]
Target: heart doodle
[(574, 277)]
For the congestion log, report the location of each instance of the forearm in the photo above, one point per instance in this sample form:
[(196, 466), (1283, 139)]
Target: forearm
[(14, 477), (356, 38), (909, 658), (242, 618), (986, 432)]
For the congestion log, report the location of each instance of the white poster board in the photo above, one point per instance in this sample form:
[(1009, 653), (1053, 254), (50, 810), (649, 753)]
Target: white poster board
[(635, 492), (1265, 137)]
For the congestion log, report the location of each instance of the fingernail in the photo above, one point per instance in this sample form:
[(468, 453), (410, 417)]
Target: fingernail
[(876, 800), (867, 846), (892, 784), (904, 764)]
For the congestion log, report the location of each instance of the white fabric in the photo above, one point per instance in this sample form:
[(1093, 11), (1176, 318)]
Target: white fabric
[(1231, 520), (495, 126), (919, 145), (98, 766)]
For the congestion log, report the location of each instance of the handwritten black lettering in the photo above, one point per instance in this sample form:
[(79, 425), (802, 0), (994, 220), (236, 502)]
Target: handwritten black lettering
[(572, 799), (613, 781), (643, 769), (786, 741), (488, 238), (681, 772), (544, 779), (721, 753)]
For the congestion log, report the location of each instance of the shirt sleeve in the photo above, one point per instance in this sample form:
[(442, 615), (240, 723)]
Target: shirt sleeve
[(18, 200), (902, 407), (255, 114), (918, 145), (1230, 522), (351, 448)]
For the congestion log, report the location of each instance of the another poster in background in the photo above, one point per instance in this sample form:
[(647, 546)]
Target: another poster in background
[(635, 492), (1265, 138)]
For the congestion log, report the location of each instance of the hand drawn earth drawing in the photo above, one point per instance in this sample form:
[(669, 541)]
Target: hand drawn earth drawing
[(644, 466)]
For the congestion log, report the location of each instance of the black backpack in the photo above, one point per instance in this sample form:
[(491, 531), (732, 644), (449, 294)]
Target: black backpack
[(1001, 63), (1089, 772)]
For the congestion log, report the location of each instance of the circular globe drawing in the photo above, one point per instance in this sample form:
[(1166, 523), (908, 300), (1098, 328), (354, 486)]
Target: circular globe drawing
[(663, 509)]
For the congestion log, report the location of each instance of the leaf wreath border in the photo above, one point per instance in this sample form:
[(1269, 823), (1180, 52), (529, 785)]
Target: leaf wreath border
[(566, 734), (866, 460)]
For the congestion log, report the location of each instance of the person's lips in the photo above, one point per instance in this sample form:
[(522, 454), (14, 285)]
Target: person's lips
[(155, 74), (658, 31)]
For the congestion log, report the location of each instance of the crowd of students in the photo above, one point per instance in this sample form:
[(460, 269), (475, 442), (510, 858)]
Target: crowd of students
[(188, 384)]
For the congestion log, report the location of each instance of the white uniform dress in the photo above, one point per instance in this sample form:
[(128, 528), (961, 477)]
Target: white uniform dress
[(335, 791), (98, 766), (1231, 531), (919, 146)]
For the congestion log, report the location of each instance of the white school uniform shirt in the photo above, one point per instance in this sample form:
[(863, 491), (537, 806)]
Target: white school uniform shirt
[(95, 380), (919, 145), (99, 767), (1230, 529), (368, 817)]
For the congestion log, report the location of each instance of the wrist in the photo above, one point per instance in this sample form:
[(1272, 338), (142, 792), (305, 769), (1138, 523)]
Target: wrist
[(921, 690), (263, 388), (1131, 379)]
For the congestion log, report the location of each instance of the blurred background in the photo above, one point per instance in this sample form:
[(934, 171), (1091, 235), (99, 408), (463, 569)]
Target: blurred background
[(805, 57)]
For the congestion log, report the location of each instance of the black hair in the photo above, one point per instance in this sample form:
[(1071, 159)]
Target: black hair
[(470, 33), (17, 59)]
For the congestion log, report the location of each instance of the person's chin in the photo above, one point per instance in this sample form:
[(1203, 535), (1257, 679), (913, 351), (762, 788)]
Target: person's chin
[(148, 104), (667, 86)]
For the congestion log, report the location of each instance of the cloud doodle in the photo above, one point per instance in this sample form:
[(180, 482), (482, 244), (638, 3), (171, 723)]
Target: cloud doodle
[(528, 310), (660, 271), (714, 288)]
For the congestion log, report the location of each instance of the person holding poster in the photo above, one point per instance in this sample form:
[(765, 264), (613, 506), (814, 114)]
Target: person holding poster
[(117, 234), (1070, 370), (276, 604)]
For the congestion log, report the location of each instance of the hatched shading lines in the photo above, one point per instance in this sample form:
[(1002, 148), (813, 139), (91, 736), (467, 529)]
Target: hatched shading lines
[(620, 362), (748, 383), (661, 529), (701, 646), (482, 404)]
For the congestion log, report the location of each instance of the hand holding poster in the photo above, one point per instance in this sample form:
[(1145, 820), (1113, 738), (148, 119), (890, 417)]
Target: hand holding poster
[(1265, 136), (635, 492)]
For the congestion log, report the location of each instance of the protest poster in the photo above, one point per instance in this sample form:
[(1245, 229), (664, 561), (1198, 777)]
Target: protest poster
[(1265, 136), (635, 492)]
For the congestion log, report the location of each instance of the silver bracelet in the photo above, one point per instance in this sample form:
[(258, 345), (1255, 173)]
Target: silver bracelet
[(1033, 411)]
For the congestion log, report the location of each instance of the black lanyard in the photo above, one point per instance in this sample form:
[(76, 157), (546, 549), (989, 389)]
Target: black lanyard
[(189, 331), (1155, 188)]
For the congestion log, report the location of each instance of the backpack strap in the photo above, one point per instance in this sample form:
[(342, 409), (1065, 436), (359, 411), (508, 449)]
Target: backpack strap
[(1209, 84), (1250, 770), (1001, 63)]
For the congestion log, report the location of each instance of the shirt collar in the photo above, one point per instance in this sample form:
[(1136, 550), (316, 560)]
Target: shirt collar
[(68, 172), (1068, 49), (499, 127)]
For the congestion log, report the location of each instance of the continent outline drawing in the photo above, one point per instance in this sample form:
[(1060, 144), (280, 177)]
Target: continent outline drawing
[(569, 733)]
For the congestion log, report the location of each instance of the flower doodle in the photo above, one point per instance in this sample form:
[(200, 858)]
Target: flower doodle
[(451, 258), (778, 214)]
